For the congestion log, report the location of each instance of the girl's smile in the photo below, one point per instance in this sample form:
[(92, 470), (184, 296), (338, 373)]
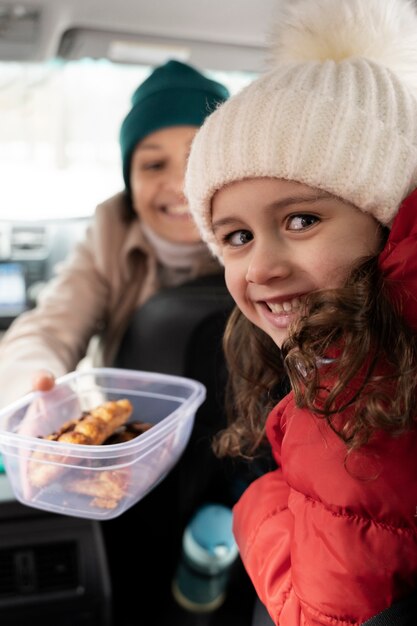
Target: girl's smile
[(281, 240), (281, 313)]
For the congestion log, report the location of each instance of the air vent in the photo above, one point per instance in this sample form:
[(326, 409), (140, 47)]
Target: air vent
[(28, 242), (38, 569)]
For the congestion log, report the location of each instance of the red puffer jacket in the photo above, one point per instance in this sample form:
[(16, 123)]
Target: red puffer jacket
[(330, 542)]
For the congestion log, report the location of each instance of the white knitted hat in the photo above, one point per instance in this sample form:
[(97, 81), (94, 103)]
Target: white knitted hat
[(338, 112)]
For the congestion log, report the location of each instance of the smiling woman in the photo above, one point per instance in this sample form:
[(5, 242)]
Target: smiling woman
[(156, 184)]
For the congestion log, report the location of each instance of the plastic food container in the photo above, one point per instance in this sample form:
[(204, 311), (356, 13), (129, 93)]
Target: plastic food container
[(97, 481)]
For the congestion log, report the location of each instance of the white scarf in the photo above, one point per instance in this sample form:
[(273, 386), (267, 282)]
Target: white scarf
[(179, 262)]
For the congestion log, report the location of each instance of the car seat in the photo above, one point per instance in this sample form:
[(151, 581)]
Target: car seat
[(178, 331), (403, 613)]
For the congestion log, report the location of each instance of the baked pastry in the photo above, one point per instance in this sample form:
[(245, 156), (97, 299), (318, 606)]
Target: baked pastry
[(127, 432), (95, 426), (92, 428), (107, 487)]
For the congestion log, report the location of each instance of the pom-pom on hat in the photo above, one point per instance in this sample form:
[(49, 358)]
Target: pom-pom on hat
[(175, 94), (338, 111)]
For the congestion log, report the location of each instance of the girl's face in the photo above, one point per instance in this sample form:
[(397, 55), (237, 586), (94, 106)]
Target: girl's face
[(281, 240), (157, 179)]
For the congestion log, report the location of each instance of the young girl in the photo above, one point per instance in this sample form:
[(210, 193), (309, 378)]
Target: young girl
[(304, 186)]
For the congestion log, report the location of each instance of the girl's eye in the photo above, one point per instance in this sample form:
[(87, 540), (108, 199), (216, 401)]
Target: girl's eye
[(238, 238), (301, 221)]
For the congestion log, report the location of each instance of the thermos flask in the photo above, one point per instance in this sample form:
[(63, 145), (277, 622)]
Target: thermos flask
[(208, 551)]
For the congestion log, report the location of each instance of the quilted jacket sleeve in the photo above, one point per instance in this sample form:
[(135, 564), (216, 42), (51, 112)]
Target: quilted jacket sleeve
[(265, 552), (398, 261), (262, 528)]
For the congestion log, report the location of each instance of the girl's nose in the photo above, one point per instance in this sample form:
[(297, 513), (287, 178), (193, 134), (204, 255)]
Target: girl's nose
[(268, 261)]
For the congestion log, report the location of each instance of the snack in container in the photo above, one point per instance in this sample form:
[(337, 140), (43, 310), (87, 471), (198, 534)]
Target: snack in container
[(99, 441)]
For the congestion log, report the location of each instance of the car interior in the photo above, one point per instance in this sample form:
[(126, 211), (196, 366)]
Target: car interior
[(67, 71)]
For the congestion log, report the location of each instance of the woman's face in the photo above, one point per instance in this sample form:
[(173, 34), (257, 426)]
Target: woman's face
[(281, 240), (157, 179)]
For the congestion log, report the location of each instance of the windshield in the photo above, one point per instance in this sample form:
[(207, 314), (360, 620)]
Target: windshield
[(59, 151)]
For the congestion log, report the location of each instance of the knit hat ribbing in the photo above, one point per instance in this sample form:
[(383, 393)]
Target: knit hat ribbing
[(175, 94), (345, 123)]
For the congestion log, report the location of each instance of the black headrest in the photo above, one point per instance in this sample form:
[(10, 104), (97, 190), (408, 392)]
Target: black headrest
[(168, 331)]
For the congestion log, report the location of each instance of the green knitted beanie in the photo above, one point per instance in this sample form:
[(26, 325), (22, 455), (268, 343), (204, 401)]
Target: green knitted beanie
[(175, 94)]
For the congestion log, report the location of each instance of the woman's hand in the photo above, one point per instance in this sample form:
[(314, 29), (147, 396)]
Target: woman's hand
[(43, 380)]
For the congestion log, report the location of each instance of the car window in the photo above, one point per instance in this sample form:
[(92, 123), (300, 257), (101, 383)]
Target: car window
[(59, 151)]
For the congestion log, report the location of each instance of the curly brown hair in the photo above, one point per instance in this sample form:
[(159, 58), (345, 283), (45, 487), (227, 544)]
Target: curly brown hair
[(255, 369), (368, 383)]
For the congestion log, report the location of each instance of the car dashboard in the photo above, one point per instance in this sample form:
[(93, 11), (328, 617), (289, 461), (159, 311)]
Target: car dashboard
[(30, 252)]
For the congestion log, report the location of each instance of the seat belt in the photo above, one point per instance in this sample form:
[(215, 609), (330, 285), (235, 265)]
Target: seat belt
[(402, 613)]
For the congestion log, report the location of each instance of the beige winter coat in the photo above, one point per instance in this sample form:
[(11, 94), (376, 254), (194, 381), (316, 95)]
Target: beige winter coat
[(112, 272)]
